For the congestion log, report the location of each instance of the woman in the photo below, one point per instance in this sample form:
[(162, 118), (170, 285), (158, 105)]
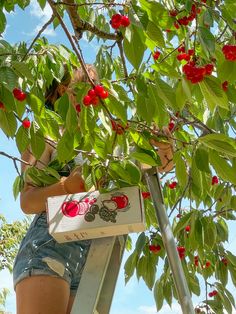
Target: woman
[(46, 274)]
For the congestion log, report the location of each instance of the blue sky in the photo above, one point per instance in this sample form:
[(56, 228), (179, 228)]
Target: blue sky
[(134, 298)]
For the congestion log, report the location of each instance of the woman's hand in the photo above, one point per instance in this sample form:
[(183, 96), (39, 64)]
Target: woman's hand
[(164, 150), (74, 183)]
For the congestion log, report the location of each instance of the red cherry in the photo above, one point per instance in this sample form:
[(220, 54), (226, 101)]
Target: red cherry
[(173, 13), (181, 49), (214, 180), (125, 21), (172, 185), (26, 123), (178, 215), (176, 25), (225, 85), (224, 261), (87, 100), (78, 108), (98, 89), (168, 30), (104, 94), (210, 294), (116, 21), (209, 68), (95, 101), (92, 93), (229, 52), (18, 94), (214, 292), (171, 126), (208, 264), (187, 228), (191, 52), (2, 106), (196, 263), (183, 56), (154, 248), (156, 55), (146, 195)]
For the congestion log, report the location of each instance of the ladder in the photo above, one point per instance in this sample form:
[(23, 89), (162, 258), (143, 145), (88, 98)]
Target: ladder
[(97, 285)]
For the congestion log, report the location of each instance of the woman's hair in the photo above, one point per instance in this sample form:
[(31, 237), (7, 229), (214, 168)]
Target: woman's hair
[(78, 75)]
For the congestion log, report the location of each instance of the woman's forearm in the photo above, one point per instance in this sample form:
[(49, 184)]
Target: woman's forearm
[(33, 199)]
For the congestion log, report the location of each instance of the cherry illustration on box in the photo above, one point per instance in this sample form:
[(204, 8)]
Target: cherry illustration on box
[(89, 208), (94, 215)]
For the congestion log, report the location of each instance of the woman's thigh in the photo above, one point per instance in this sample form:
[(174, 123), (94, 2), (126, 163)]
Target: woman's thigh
[(42, 295)]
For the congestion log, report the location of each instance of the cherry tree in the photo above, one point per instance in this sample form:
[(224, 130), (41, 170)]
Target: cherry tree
[(161, 63)]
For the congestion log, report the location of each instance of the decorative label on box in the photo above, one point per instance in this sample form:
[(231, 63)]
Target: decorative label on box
[(91, 215)]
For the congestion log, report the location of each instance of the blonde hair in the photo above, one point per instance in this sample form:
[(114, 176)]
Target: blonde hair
[(78, 75)]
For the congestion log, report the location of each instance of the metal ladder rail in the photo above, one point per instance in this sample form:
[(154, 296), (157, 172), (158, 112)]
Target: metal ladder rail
[(97, 285)]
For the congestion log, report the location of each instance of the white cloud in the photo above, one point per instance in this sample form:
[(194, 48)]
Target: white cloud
[(43, 16)]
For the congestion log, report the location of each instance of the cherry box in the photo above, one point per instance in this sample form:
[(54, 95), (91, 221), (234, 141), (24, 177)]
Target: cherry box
[(93, 215)]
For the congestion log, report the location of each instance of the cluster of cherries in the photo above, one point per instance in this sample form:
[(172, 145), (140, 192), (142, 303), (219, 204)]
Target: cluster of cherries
[(214, 180), (230, 52), (94, 95), (185, 20), (118, 20), (154, 248), (196, 74), (213, 293)]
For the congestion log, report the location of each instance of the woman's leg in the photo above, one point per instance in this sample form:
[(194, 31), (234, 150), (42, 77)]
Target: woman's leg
[(42, 295), (70, 304)]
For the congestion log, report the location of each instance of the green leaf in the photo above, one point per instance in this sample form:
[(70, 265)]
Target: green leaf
[(154, 32), (17, 186), (221, 272), (222, 230), (194, 285), (2, 22), (65, 147), (158, 294), (71, 119), (8, 123), (202, 159), (167, 292), (166, 93), (22, 70), (213, 93), (144, 158), (182, 223), (130, 265), (117, 108), (134, 49), (140, 140), (209, 230), (222, 167), (22, 139), (206, 39), (7, 98), (180, 170), (231, 257), (157, 110), (140, 243), (220, 142), (37, 142), (8, 76), (36, 105)]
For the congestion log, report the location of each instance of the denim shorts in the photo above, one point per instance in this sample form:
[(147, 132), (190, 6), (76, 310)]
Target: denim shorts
[(41, 254)]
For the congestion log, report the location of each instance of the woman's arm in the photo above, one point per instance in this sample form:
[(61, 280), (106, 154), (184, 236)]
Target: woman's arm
[(33, 199)]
